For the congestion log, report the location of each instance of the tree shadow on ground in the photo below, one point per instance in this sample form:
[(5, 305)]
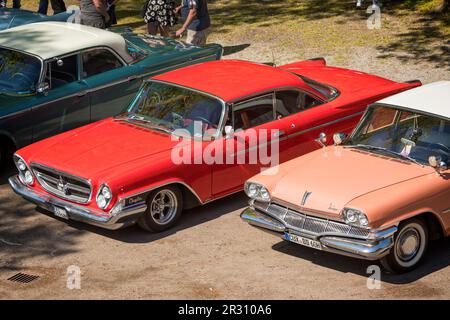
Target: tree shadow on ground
[(438, 257), (23, 236)]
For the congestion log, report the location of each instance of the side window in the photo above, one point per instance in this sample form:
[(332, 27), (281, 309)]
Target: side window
[(291, 102), (254, 112), (62, 71), (98, 61)]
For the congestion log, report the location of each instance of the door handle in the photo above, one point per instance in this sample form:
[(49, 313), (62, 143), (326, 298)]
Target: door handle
[(81, 94), (131, 78)]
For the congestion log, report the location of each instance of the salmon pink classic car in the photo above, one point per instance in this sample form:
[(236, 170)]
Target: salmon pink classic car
[(381, 193), (137, 167)]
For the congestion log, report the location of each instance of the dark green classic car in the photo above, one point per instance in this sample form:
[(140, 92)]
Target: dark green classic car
[(57, 76)]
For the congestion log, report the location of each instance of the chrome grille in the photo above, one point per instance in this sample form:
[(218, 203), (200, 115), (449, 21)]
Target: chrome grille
[(62, 184), (308, 224)]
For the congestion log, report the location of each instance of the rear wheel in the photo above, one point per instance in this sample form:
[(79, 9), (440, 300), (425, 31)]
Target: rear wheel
[(410, 245), (164, 208)]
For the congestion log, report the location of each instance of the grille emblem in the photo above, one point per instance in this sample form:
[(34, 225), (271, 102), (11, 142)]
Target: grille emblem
[(305, 197), (62, 186)]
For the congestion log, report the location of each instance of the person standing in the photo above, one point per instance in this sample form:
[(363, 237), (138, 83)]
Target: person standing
[(94, 13), (196, 21), (159, 15), (58, 6), (111, 8), (16, 4)]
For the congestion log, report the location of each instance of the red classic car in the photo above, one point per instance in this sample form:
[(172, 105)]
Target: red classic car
[(126, 169)]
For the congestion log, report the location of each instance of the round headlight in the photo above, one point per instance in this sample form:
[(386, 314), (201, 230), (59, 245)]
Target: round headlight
[(363, 221), (104, 196), (21, 165), (28, 177), (252, 190), (265, 195), (352, 216)]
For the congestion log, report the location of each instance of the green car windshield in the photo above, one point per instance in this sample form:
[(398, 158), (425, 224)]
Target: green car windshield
[(403, 134), (169, 108), (19, 72)]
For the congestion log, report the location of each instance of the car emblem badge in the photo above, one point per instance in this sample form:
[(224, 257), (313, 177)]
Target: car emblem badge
[(62, 186), (305, 197), (332, 207)]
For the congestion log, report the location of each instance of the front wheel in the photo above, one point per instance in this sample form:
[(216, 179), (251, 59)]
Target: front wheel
[(164, 207), (410, 245)]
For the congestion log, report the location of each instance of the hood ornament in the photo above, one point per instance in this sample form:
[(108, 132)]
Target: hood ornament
[(305, 197)]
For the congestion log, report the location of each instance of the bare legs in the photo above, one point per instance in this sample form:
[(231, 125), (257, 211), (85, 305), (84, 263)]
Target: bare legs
[(154, 28)]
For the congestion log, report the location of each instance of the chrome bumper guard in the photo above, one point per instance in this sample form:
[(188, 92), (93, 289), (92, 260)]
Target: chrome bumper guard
[(76, 212), (373, 247)]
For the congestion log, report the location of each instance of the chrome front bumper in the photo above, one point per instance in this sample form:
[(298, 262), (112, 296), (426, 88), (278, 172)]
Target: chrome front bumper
[(373, 247), (77, 212)]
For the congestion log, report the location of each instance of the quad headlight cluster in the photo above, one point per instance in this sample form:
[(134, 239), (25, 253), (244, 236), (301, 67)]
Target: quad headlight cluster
[(104, 196), (355, 217), (25, 175), (257, 192)]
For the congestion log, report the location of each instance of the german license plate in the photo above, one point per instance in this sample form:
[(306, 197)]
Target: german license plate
[(60, 213), (303, 241)]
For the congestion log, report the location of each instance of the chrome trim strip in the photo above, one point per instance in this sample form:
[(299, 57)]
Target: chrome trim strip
[(446, 211), (326, 124)]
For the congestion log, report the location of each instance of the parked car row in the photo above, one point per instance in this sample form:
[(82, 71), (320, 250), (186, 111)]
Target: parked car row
[(369, 182)]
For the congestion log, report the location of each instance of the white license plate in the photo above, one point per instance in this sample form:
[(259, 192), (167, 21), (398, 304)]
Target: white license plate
[(60, 213), (303, 241)]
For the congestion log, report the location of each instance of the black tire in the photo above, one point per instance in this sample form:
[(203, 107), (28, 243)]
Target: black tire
[(5, 156), (410, 247), (156, 218)]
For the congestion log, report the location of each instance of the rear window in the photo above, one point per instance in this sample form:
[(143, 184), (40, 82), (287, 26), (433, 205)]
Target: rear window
[(329, 92)]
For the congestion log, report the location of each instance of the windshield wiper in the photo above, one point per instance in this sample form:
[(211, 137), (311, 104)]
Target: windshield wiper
[(396, 154), (148, 123)]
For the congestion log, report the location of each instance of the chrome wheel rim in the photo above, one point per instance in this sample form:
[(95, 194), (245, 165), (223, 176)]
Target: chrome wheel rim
[(163, 207), (408, 244)]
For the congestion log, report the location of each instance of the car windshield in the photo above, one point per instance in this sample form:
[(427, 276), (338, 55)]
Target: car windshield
[(166, 107), (19, 72), (403, 134)]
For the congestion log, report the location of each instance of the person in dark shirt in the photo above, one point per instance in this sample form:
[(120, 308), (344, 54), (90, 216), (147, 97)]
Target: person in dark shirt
[(196, 21)]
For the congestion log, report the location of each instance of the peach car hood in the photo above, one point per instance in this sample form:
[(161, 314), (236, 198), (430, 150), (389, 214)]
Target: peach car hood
[(336, 175)]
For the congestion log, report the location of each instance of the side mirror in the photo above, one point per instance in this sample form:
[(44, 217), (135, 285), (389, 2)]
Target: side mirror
[(322, 140), (338, 138), (437, 163), (229, 132), (43, 88)]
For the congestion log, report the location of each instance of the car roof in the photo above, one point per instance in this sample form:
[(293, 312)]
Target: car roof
[(53, 39), (232, 79), (433, 98)]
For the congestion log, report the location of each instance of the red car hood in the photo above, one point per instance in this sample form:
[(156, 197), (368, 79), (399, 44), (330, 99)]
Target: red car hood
[(97, 148)]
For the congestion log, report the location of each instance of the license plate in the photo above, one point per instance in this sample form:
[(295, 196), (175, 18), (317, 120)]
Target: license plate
[(60, 213), (303, 241)]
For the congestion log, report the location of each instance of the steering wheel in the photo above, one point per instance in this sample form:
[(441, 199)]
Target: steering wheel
[(204, 120), (442, 147), (20, 74)]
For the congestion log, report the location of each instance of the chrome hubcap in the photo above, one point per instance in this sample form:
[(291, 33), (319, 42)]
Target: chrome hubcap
[(408, 244), (163, 207)]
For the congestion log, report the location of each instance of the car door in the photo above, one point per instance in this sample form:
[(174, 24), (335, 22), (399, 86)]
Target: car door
[(65, 105), (250, 148), (112, 83)]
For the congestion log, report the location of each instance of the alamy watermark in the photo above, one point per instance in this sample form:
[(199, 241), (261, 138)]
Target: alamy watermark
[(248, 146)]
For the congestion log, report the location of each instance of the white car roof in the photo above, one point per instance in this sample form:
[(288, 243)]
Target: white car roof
[(53, 39), (433, 98)]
